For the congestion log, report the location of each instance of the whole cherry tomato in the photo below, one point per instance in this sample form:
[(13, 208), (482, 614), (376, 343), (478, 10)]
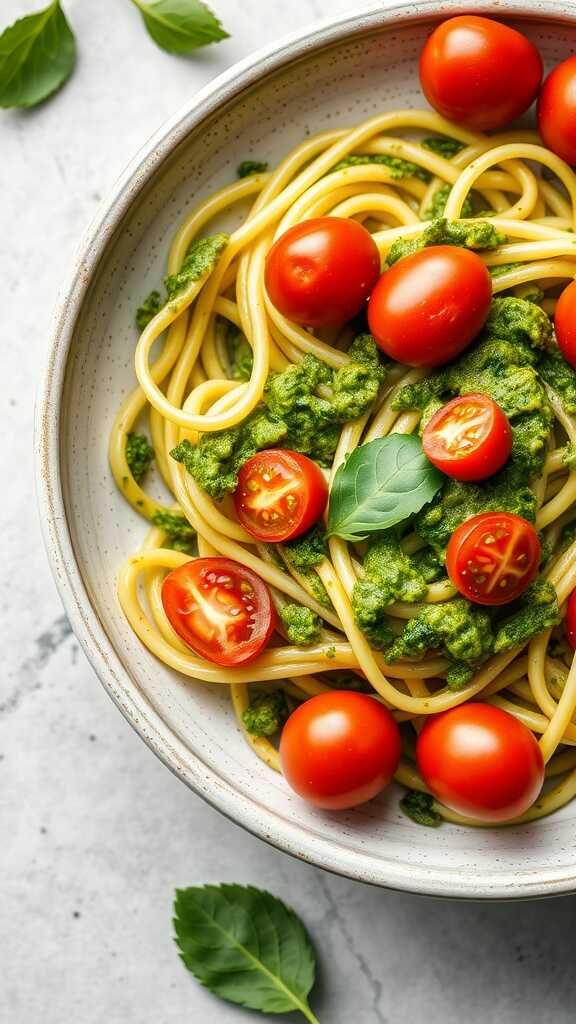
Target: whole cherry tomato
[(557, 110), (339, 749), (469, 438), (280, 495), (219, 608), (570, 620), (429, 306), (493, 557), (320, 272), (479, 73), (480, 761), (565, 321)]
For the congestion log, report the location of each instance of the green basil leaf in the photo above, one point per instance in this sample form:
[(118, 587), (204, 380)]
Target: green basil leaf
[(37, 55), (181, 26), (245, 946), (381, 484)]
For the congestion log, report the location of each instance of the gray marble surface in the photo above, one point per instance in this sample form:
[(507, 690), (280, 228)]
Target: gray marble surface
[(95, 834)]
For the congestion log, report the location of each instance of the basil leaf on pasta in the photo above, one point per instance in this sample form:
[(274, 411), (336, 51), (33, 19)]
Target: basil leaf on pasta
[(380, 484), (181, 26), (37, 55), (245, 946)]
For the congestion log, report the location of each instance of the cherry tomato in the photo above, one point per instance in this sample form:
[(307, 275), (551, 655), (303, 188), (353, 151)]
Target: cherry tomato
[(565, 322), (469, 438), (557, 110), (280, 495), (479, 73), (220, 609), (570, 620), (340, 749), (428, 307), (491, 558), (320, 272), (480, 761)]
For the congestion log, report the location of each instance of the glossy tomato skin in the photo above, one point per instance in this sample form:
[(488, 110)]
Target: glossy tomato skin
[(493, 557), (469, 438), (557, 110), (280, 495), (480, 761), (570, 620), (427, 308), (479, 73), (319, 273), (220, 609), (565, 321), (339, 749)]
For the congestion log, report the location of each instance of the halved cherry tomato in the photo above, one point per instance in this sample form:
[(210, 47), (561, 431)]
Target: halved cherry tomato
[(469, 438), (557, 110), (570, 620), (492, 557), (220, 609), (428, 307), (480, 761), (565, 320), (339, 749), (479, 73), (280, 494), (320, 272)]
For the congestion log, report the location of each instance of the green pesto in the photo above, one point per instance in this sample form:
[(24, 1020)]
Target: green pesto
[(266, 714), (175, 525), (344, 679), (398, 167), (556, 372), (438, 204), (518, 320), (428, 564), (302, 625), (239, 353), (536, 610), (201, 259), (443, 145), (152, 305), (567, 535), (139, 455), (388, 575), (458, 628), (330, 653), (292, 413), (459, 675), (419, 807), (247, 167), (503, 268), (477, 235), (307, 551)]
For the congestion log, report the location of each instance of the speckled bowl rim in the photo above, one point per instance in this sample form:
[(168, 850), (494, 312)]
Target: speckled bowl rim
[(451, 881)]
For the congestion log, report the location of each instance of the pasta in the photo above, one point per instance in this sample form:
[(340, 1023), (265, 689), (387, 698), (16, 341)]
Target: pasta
[(188, 390)]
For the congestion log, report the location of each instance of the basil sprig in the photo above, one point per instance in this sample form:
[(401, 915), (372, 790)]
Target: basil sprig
[(381, 484), (246, 946)]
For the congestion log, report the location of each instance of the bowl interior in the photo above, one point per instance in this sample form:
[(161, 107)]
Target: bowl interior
[(190, 725)]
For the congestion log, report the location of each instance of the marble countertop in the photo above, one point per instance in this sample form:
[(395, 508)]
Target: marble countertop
[(96, 833)]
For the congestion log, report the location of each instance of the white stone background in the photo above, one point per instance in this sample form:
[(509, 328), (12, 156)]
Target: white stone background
[(95, 833)]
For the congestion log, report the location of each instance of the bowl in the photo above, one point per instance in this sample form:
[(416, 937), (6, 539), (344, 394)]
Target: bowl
[(335, 74)]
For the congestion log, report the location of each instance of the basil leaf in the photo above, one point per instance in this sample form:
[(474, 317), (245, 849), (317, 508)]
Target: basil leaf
[(245, 946), (180, 26), (381, 484), (37, 55)]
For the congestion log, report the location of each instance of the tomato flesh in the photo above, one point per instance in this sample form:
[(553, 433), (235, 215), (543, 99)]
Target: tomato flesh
[(493, 557), (320, 272), (280, 495), (219, 608), (557, 110), (469, 438), (479, 73), (427, 308), (339, 749), (480, 761), (565, 322)]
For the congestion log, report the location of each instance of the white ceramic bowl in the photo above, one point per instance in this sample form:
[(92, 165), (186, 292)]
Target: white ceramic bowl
[(337, 74)]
